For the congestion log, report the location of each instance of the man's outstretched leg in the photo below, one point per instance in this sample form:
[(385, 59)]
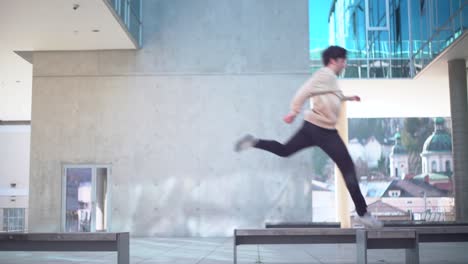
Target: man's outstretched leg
[(302, 139)]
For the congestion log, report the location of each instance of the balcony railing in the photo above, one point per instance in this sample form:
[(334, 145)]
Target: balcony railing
[(379, 53), (453, 28)]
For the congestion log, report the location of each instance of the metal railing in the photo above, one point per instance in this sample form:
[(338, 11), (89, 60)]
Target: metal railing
[(380, 56), (443, 37)]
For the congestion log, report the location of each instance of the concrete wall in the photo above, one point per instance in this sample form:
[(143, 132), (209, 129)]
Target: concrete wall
[(166, 117), (14, 153)]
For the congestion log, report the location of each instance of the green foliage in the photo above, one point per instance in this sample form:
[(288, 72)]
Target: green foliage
[(414, 134), (364, 128), (383, 166)]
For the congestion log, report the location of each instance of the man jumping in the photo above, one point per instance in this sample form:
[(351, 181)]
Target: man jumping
[(318, 128)]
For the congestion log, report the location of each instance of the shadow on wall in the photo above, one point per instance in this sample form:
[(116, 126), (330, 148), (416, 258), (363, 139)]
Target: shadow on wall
[(185, 207)]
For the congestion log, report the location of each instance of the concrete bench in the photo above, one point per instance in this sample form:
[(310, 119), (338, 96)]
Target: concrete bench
[(440, 234), (386, 238), (337, 224), (365, 239), (68, 242), (302, 225)]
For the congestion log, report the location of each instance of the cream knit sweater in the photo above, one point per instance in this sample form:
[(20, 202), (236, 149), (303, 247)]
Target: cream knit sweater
[(322, 87)]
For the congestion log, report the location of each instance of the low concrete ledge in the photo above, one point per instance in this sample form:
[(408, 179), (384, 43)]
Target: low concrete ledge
[(407, 238), (119, 242)]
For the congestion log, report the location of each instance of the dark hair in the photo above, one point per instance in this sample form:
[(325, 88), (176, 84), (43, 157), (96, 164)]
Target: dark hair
[(333, 52)]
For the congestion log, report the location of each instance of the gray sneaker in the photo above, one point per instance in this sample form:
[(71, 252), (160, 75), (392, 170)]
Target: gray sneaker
[(244, 143), (369, 221)]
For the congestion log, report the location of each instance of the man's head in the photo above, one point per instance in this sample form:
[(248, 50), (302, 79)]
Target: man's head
[(334, 57)]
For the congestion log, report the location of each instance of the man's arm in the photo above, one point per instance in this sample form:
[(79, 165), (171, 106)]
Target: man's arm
[(351, 98)]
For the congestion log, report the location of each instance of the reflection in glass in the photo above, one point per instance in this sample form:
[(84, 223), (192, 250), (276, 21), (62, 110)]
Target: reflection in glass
[(101, 199), (418, 31), (78, 200)]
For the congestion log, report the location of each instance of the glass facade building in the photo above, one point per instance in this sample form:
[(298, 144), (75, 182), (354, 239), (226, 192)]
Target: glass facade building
[(129, 12), (393, 38)]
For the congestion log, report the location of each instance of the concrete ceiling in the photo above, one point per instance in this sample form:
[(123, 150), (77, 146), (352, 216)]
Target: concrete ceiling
[(56, 25), (33, 25)]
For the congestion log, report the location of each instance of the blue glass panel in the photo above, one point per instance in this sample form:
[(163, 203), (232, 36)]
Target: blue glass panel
[(356, 69), (465, 17), (115, 4), (443, 12), (378, 44), (135, 7), (134, 26), (123, 10), (377, 13)]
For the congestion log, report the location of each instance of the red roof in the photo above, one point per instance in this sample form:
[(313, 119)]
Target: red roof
[(446, 186), (381, 208)]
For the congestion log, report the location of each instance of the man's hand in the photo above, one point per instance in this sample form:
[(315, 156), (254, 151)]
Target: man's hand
[(289, 118), (355, 98)]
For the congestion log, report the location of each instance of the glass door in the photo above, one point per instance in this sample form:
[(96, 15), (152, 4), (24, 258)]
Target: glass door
[(85, 199)]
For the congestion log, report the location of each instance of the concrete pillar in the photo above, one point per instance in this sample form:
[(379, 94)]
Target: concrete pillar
[(342, 198), (459, 112)]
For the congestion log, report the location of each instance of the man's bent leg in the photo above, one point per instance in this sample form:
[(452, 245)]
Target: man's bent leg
[(298, 141)]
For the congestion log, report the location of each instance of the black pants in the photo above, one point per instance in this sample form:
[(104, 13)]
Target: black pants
[(327, 139)]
